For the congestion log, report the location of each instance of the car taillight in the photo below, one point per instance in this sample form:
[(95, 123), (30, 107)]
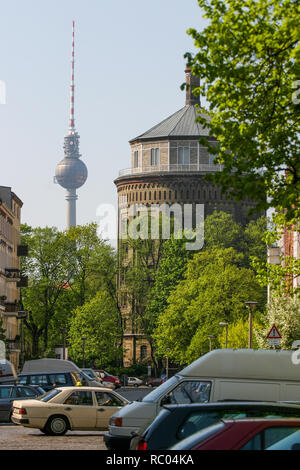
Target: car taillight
[(142, 445), (115, 421), (22, 411)]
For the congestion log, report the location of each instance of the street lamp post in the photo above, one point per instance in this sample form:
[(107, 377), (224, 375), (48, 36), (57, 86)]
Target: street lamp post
[(167, 363), (83, 352), (210, 337), (251, 306), (22, 315), (224, 324), (64, 330)]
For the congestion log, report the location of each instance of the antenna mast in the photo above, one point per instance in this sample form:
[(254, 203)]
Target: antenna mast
[(72, 118)]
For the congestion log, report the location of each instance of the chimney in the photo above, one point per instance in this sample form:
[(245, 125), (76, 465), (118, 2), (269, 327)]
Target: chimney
[(191, 82)]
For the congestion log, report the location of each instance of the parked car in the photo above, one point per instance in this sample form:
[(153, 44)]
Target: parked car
[(9, 393), (176, 422), (153, 381), (50, 380), (134, 381), (68, 408), (57, 366), (94, 376), (7, 372), (246, 434), (106, 377), (222, 374)]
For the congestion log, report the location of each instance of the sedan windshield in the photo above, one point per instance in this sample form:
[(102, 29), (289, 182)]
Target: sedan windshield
[(49, 395)]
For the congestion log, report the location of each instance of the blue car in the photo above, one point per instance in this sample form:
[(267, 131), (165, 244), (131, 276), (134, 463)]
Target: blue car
[(9, 393)]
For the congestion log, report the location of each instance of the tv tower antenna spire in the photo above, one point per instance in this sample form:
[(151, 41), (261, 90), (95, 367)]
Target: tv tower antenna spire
[(71, 172), (72, 87)]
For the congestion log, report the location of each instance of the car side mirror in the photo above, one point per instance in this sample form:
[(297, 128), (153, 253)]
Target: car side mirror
[(166, 400)]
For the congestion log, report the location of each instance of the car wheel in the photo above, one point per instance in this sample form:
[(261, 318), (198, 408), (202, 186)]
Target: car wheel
[(56, 426)]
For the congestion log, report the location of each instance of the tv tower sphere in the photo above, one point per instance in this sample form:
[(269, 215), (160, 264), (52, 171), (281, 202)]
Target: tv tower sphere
[(71, 172)]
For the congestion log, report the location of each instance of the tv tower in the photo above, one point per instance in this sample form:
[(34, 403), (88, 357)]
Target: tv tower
[(71, 173)]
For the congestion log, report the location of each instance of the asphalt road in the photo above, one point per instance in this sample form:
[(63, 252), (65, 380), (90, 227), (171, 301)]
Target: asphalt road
[(14, 437)]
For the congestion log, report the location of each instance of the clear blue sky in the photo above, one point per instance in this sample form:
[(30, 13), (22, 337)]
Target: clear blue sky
[(128, 72)]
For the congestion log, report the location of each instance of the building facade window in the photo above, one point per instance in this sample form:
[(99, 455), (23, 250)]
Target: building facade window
[(143, 352), (183, 155), (136, 159), (154, 156)]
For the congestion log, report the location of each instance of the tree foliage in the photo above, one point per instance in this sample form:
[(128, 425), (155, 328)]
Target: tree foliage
[(238, 333), (214, 289), (248, 60), (279, 277), (65, 270), (284, 312), (97, 320)]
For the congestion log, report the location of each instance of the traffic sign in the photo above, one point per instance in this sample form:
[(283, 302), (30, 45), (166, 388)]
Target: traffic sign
[(274, 341), (274, 333)]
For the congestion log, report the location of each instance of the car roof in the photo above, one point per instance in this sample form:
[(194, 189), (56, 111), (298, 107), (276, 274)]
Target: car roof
[(234, 404), (86, 389), (47, 372), (270, 419)]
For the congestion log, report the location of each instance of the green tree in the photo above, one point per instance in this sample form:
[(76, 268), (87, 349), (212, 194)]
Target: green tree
[(279, 277), (214, 289), (65, 270), (49, 270), (97, 320), (248, 60), (169, 272), (284, 312), (238, 333)]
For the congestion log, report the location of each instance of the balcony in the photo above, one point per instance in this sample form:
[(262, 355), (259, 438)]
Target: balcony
[(203, 168)]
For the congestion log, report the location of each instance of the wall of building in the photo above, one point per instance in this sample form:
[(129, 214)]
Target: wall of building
[(10, 215)]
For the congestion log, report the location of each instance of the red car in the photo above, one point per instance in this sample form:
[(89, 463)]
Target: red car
[(109, 378), (246, 434)]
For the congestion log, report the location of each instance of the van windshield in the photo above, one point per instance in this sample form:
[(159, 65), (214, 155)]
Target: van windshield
[(159, 391)]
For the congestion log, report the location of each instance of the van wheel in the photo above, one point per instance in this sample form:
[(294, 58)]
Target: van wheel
[(56, 426)]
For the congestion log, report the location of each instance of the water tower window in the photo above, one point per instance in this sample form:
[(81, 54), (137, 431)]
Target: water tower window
[(136, 159), (183, 155), (155, 156), (143, 352)]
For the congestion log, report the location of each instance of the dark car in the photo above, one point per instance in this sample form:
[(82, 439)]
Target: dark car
[(176, 422), (9, 393), (50, 380), (153, 381), (109, 378), (246, 434)]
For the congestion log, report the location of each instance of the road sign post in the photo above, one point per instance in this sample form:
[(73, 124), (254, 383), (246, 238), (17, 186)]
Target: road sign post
[(274, 336)]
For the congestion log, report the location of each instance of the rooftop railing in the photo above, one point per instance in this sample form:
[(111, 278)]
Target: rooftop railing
[(171, 169)]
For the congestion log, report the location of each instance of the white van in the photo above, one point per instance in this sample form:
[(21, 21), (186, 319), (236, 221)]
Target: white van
[(222, 374)]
